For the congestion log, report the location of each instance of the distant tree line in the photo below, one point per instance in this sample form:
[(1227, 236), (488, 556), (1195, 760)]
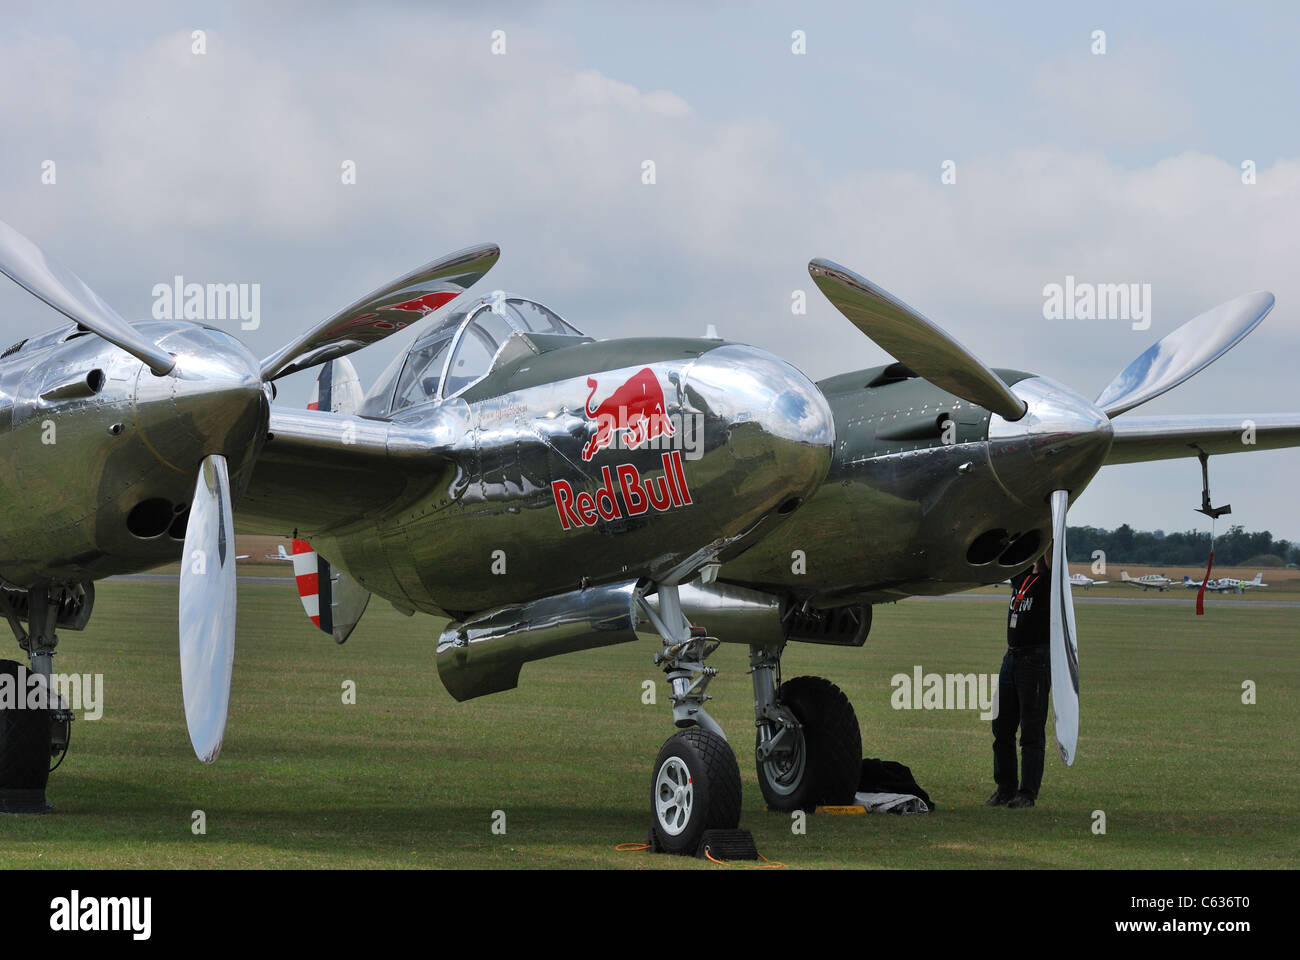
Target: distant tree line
[(1234, 548)]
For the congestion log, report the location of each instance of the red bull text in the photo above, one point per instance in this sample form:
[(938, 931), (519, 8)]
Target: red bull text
[(637, 496)]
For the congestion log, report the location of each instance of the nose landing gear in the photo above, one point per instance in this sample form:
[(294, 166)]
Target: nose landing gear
[(808, 746), (695, 786)]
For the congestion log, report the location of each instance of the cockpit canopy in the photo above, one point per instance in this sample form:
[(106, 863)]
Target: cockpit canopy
[(466, 345)]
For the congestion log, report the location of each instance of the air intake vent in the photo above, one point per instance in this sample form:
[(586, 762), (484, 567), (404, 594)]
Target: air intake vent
[(14, 349), (841, 626), (893, 374)]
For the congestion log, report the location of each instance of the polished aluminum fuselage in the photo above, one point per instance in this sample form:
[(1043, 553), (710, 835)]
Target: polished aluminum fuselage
[(925, 493), (480, 523)]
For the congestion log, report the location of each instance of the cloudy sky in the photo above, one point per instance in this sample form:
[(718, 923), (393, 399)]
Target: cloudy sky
[(1117, 167)]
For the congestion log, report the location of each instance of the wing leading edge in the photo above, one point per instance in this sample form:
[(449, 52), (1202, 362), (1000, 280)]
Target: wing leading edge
[(1139, 439), (320, 470)]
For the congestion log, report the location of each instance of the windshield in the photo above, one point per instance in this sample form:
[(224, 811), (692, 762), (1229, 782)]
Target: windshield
[(484, 329), (478, 345), (422, 374)]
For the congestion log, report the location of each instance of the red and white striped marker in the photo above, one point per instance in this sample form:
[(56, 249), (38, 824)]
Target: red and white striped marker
[(306, 572)]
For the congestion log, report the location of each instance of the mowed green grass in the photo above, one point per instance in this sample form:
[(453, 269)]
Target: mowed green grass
[(1186, 774)]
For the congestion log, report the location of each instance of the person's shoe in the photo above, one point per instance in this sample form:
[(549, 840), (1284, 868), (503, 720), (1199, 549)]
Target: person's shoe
[(1023, 798), (1000, 798)]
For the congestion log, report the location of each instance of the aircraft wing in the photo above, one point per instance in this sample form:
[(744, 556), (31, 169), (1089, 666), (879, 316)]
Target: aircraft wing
[(384, 311), (1138, 439), (320, 470)]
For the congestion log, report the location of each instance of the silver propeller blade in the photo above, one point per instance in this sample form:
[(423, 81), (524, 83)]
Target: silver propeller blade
[(207, 609), (383, 312), (911, 338), (1185, 352), (1065, 645), (27, 265)]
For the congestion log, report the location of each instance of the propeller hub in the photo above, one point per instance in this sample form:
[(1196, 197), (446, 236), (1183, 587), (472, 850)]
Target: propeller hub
[(1059, 444), (213, 402)]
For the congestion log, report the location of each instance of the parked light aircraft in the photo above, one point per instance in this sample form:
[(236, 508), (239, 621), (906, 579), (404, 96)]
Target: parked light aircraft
[(1157, 581), (1085, 581), (1226, 584), (550, 493)]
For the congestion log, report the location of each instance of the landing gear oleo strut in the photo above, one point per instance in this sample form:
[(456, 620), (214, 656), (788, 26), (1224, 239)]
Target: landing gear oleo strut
[(808, 748), (695, 786), (32, 733)]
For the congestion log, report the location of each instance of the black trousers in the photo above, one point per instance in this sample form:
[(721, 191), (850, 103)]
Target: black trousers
[(1023, 685)]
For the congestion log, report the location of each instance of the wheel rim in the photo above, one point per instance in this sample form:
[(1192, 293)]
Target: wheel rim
[(674, 796), (784, 774)]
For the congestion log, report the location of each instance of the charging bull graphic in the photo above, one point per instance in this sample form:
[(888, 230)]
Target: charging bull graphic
[(636, 410)]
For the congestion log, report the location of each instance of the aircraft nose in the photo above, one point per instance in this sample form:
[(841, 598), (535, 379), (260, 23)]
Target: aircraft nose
[(1059, 444), (768, 415)]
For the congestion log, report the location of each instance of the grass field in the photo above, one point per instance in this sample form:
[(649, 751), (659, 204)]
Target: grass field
[(1187, 775)]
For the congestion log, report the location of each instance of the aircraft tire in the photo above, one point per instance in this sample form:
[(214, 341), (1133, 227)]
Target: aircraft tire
[(695, 787), (827, 762), (24, 754)]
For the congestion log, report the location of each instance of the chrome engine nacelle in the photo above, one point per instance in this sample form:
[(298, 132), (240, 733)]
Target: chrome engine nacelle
[(483, 654), (737, 614)]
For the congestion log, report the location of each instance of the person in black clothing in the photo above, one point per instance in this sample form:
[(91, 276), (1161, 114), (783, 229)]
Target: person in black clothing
[(1023, 685)]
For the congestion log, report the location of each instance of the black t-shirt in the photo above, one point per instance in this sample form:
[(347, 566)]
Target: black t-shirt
[(1029, 616)]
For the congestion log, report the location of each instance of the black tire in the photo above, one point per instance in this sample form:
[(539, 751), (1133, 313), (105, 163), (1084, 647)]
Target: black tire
[(827, 761), (24, 742), (706, 774)]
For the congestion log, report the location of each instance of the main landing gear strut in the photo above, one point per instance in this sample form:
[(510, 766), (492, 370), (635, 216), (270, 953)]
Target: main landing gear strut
[(808, 746), (35, 731)]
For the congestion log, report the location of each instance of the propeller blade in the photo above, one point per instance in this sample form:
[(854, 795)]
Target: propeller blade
[(1065, 646), (914, 340), (1184, 353), (27, 265), (385, 311), (207, 609)]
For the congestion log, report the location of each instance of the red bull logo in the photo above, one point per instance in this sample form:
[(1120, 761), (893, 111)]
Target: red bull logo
[(634, 411)]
